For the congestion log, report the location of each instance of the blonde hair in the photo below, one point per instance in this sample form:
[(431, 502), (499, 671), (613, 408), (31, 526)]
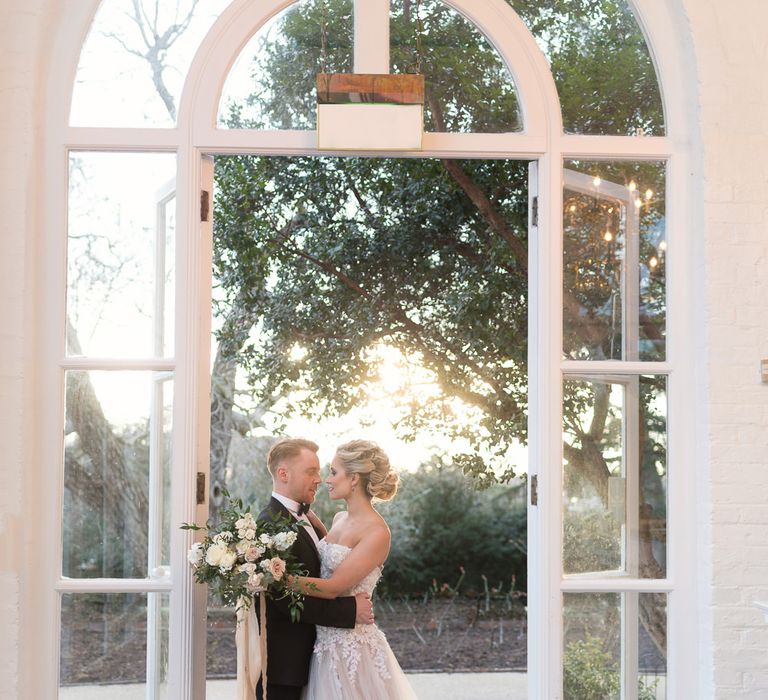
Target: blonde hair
[(371, 463), (286, 448)]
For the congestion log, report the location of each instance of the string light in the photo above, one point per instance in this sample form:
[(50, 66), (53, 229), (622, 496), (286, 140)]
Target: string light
[(648, 194), (632, 186), (663, 245), (596, 182), (572, 208), (608, 236), (653, 262), (638, 203)]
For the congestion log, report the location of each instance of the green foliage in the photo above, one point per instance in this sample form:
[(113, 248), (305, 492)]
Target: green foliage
[(446, 532), (338, 256), (600, 62), (591, 673), (591, 542)]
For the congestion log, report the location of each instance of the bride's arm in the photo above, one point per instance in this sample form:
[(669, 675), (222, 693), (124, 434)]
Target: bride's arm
[(365, 556)]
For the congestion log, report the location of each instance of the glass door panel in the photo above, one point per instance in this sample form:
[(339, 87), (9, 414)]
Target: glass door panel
[(108, 646), (608, 652), (614, 253), (615, 476)]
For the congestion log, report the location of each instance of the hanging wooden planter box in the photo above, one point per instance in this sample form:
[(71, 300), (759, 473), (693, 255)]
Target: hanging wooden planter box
[(369, 112)]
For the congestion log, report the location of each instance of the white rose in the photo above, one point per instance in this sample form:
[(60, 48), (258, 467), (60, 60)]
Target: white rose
[(227, 560), (250, 534), (215, 553), (266, 539), (284, 540), (266, 564), (249, 569), (195, 555)]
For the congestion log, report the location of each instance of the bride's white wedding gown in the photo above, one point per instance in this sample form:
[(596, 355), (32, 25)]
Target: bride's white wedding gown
[(353, 664)]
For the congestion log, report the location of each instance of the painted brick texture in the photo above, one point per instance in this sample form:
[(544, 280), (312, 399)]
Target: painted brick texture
[(731, 50)]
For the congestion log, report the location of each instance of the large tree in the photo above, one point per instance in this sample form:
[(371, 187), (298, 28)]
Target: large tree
[(340, 256)]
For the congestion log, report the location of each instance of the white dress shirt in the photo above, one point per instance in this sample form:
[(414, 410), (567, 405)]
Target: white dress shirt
[(293, 507)]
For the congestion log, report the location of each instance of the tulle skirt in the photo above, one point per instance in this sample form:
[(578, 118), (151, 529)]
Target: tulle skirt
[(355, 665)]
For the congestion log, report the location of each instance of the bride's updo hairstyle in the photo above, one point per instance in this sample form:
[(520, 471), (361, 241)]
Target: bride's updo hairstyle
[(371, 463)]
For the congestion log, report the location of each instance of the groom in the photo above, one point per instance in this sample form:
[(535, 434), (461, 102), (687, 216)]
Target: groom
[(295, 470)]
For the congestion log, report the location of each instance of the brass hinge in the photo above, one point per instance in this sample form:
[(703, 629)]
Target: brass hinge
[(535, 211), (205, 205), (200, 488), (534, 490)]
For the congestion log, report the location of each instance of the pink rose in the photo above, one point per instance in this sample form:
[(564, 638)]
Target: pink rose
[(253, 552), (277, 568)]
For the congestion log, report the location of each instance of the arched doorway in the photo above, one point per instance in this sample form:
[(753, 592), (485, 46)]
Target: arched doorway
[(542, 140)]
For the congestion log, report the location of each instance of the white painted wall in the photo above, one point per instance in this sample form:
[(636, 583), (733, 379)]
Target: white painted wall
[(731, 52)]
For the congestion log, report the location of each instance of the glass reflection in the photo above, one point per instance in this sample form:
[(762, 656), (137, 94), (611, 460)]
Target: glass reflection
[(272, 84), (601, 65), (120, 254), (614, 261), (133, 65), (615, 477), (116, 521), (612, 640), (468, 87), (110, 639)]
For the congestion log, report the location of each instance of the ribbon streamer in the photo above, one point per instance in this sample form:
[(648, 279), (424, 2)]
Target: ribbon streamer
[(251, 649)]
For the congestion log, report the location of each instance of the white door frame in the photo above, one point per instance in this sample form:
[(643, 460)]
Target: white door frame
[(542, 141)]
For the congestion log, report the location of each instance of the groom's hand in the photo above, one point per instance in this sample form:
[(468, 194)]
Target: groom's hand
[(364, 614)]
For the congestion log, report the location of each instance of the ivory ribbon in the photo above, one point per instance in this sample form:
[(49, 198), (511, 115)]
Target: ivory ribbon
[(251, 649)]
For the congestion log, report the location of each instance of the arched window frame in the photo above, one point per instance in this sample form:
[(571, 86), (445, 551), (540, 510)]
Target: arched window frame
[(542, 140)]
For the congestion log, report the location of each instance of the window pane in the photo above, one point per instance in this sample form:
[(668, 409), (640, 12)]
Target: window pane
[(109, 641), (133, 64), (591, 646), (598, 660), (614, 255), (615, 477), (272, 84), (468, 87), (601, 65), (117, 474), (652, 646), (120, 254)]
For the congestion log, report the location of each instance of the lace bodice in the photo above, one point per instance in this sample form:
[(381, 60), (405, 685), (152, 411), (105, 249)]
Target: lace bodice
[(332, 554)]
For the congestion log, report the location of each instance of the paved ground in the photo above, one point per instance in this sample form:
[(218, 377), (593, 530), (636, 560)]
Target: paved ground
[(428, 686)]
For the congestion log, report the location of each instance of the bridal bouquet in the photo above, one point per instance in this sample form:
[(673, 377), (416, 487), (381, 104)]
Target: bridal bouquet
[(240, 557)]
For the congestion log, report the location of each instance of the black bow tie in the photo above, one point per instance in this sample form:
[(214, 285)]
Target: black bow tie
[(303, 509)]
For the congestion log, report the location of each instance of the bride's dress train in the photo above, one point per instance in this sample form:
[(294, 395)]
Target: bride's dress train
[(353, 664)]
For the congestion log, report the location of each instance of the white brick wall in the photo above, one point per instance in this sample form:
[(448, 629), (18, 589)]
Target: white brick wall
[(731, 51)]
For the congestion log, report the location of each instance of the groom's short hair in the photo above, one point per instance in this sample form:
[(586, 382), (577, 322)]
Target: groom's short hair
[(285, 449)]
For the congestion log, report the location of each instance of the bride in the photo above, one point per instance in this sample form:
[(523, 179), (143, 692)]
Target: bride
[(349, 664)]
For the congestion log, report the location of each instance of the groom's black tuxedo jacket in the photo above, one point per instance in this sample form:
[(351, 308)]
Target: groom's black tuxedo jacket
[(289, 644)]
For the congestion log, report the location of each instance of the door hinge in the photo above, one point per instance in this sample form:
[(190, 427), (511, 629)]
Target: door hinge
[(205, 205), (200, 496), (534, 490), (535, 211)]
